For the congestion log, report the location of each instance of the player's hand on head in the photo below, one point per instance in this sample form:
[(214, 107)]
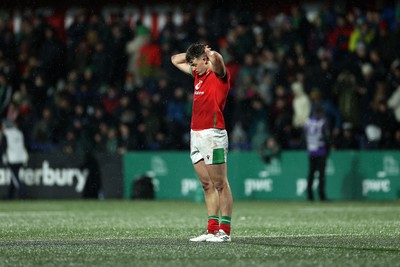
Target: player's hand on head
[(208, 51)]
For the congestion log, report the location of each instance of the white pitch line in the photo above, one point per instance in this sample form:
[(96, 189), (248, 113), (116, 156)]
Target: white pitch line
[(289, 236)]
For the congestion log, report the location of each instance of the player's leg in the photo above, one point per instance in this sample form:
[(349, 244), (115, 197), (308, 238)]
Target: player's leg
[(218, 175), (210, 192), (213, 146), (212, 202)]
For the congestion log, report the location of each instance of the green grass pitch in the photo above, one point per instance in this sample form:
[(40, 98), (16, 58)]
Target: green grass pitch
[(147, 233)]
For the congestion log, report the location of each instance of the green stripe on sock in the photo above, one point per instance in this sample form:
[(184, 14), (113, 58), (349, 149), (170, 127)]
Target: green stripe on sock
[(226, 220), (213, 217)]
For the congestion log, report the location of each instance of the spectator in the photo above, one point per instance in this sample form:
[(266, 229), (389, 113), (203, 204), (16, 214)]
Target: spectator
[(117, 59), (43, 131), (385, 120), (396, 141), (76, 33), (345, 88), (394, 103), (301, 105), (124, 112), (385, 44), (281, 116), (13, 110), (318, 146), (149, 127), (15, 155), (142, 36), (52, 57), (5, 94), (110, 100), (362, 33), (331, 112), (365, 91), (270, 150), (39, 94), (322, 76), (7, 40), (338, 39), (93, 186), (373, 135), (393, 77), (238, 138), (100, 62), (63, 115), (69, 144), (112, 142), (80, 58), (22, 97), (245, 81), (258, 129), (126, 142), (330, 52), (149, 64), (177, 121), (347, 139), (86, 90)]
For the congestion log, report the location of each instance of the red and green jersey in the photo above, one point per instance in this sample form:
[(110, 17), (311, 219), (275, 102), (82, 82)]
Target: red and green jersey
[(210, 93)]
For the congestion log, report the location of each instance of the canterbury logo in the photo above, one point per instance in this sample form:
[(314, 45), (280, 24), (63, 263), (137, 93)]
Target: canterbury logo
[(197, 86)]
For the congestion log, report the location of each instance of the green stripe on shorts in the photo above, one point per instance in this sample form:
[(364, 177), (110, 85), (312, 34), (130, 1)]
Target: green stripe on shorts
[(218, 156)]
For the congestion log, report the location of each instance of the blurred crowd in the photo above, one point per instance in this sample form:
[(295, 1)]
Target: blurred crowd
[(109, 86)]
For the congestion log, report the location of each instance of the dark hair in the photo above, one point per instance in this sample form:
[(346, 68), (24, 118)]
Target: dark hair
[(194, 51)]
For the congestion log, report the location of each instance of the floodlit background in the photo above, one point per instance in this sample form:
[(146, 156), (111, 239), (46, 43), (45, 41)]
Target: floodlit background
[(96, 78)]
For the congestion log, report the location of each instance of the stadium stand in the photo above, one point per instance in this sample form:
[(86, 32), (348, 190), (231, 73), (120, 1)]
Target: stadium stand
[(81, 80)]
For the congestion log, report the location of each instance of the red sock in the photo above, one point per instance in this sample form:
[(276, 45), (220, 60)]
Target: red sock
[(226, 228), (226, 224), (213, 225)]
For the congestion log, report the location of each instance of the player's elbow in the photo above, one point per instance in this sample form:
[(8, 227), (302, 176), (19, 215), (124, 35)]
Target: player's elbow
[(215, 58), (173, 59), (177, 59)]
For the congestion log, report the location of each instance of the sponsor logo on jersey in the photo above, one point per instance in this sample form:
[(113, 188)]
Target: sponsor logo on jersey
[(198, 85)]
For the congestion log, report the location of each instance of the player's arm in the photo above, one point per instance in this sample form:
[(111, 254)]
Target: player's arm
[(179, 61), (216, 61)]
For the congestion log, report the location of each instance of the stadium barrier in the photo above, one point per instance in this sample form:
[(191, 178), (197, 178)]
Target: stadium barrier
[(61, 176), (350, 175)]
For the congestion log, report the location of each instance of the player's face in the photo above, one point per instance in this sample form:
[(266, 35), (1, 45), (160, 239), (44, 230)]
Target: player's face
[(200, 65)]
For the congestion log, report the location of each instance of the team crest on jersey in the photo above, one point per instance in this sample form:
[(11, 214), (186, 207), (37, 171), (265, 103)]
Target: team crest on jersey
[(208, 157)]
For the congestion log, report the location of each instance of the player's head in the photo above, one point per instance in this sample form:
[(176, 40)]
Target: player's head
[(195, 51), (197, 58)]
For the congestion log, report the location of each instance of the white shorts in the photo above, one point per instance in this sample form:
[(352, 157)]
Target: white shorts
[(210, 145)]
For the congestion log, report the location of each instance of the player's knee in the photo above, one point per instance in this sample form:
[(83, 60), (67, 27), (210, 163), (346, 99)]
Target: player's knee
[(206, 186), (220, 185)]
